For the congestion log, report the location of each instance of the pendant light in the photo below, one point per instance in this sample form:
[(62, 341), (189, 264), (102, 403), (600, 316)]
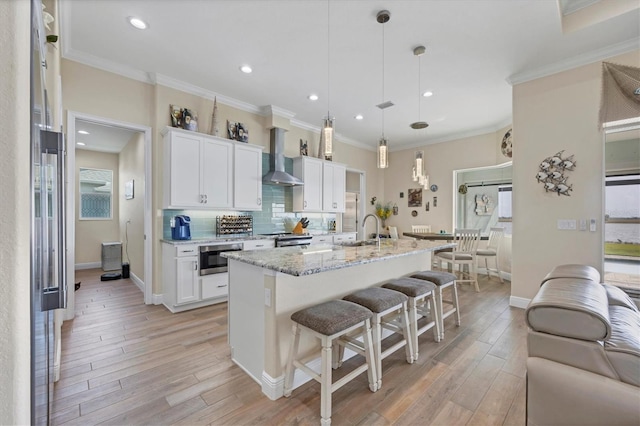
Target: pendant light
[(383, 154), (419, 174), (326, 135)]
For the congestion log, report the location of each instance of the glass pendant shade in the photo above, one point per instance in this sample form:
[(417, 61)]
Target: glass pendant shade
[(383, 154), (327, 133)]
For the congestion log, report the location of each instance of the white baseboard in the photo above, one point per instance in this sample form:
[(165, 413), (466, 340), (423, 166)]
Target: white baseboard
[(137, 281), (89, 265), (156, 299), (519, 302)]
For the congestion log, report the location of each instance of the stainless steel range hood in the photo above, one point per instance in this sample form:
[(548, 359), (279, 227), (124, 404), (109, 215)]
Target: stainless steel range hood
[(277, 175)]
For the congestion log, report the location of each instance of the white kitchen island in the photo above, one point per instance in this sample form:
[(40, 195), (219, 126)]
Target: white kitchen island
[(267, 286)]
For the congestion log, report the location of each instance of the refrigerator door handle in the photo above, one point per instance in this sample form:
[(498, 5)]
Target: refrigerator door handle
[(54, 289)]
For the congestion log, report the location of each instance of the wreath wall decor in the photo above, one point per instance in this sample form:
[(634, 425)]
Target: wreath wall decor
[(552, 173)]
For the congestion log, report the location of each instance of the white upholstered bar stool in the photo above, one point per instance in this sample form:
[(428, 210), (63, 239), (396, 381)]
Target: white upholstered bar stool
[(463, 254), (443, 280), (389, 309), (422, 301), (330, 322), (421, 229), (491, 251)]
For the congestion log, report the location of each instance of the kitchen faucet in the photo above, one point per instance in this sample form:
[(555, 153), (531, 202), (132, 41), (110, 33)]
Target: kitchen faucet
[(364, 222)]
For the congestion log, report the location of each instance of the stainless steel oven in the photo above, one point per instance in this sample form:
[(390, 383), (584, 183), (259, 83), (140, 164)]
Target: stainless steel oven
[(211, 261)]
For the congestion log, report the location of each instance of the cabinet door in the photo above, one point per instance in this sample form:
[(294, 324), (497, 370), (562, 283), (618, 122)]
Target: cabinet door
[(333, 188), (309, 196), (258, 244), (185, 171), (247, 177), (187, 284), (215, 285), (216, 162)]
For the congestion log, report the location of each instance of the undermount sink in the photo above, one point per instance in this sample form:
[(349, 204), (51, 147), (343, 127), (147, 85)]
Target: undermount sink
[(358, 243)]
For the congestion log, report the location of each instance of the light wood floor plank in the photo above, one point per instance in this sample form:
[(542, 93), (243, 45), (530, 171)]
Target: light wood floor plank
[(124, 362)]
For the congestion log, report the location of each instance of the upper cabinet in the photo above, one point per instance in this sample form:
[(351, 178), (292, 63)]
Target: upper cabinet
[(333, 187), (247, 177), (308, 197), (324, 185), (207, 172)]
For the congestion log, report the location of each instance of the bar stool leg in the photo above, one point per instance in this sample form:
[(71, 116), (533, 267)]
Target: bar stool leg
[(413, 326), (438, 334), (454, 294), (326, 382), (406, 332), (293, 350), (372, 373), (377, 347)]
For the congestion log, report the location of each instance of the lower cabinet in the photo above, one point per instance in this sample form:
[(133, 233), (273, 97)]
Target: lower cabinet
[(348, 236), (321, 239), (183, 287)]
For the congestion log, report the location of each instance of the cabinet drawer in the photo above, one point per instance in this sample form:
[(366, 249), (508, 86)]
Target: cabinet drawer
[(189, 250), (322, 239), (215, 285), (344, 237), (258, 244)]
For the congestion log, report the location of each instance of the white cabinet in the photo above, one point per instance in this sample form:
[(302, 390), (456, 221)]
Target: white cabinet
[(247, 177), (322, 239), (324, 185), (198, 171), (215, 285), (333, 187), (258, 244), (349, 236), (181, 278), (308, 197), (187, 285)]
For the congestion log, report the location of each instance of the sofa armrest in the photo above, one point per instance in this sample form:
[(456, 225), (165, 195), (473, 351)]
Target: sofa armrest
[(584, 272), (574, 308)]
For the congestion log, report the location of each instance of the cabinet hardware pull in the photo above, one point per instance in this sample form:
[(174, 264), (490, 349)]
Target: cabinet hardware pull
[(305, 203), (222, 285), (188, 251), (206, 199), (259, 201), (195, 266)]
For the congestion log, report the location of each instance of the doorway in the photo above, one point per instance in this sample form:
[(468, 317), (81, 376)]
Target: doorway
[(354, 202), (111, 138), (622, 206)]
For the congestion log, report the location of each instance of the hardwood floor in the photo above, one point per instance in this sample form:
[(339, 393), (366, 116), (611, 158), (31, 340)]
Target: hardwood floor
[(124, 362)]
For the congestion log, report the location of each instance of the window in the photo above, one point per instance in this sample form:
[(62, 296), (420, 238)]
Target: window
[(96, 194), (622, 217), (504, 208)]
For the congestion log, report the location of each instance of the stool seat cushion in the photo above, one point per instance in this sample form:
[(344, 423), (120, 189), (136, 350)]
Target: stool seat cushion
[(486, 252), (459, 256), (437, 277), (412, 287), (377, 299), (331, 317)]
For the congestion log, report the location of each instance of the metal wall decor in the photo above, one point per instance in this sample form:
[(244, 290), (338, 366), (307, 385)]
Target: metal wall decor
[(552, 173)]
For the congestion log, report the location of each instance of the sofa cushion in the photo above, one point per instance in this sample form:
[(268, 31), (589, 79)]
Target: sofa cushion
[(618, 297), (576, 308), (573, 271), (623, 346)]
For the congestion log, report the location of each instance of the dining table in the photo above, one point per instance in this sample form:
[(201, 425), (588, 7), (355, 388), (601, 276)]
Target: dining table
[(435, 236)]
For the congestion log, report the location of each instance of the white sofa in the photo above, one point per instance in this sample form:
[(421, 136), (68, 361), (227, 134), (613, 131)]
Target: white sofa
[(583, 365)]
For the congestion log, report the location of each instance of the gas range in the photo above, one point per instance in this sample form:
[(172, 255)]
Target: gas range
[(289, 239)]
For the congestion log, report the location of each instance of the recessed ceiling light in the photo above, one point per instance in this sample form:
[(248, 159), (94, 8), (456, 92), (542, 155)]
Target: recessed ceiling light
[(137, 23), (80, 143), (313, 97), (427, 94), (359, 117), (83, 132), (246, 69)]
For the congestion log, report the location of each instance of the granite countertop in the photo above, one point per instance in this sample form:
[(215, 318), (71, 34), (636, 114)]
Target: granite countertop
[(228, 238), (300, 261)]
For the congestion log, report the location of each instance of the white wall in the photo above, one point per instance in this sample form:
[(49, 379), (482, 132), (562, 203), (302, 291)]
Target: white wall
[(90, 234), (14, 213), (559, 112), (131, 167)]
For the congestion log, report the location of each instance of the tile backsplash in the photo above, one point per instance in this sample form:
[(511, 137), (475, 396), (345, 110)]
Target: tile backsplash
[(276, 215)]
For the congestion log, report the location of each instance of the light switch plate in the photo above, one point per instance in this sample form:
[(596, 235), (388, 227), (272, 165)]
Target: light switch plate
[(592, 225), (583, 224), (567, 224)]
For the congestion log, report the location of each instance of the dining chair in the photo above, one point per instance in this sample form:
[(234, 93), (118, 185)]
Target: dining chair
[(464, 253), (422, 229), (492, 251)]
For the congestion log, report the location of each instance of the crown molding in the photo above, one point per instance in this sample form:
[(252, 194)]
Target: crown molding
[(268, 110), (109, 66), (456, 136), (311, 128), (575, 61)]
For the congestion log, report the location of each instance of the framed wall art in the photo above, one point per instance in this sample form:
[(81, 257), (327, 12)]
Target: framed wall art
[(415, 197)]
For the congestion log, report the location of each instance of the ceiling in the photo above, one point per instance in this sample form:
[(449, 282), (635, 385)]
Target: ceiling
[(475, 50)]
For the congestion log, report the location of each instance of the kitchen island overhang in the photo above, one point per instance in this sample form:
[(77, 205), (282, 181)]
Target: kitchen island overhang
[(266, 287)]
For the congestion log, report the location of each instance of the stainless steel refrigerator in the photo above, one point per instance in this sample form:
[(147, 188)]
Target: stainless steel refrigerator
[(48, 268)]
